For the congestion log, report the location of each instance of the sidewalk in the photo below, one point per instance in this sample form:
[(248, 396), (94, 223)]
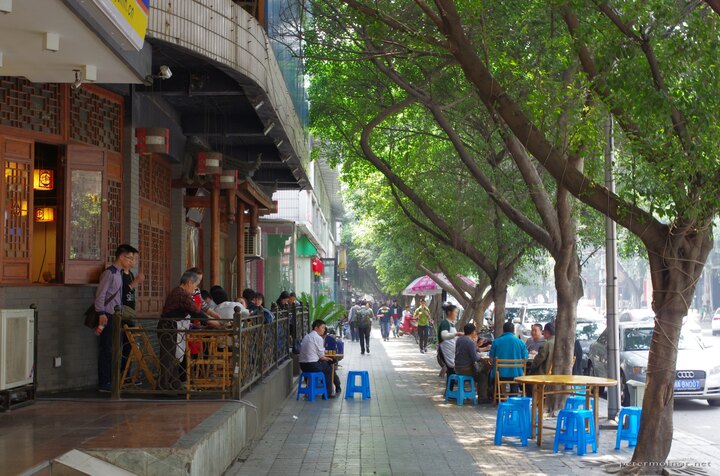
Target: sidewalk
[(407, 429)]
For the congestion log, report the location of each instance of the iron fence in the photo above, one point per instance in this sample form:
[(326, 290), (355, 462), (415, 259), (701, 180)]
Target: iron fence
[(177, 357)]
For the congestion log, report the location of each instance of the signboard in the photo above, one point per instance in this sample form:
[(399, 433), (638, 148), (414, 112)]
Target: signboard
[(130, 17)]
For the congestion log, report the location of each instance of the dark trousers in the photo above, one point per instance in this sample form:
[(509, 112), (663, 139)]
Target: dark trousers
[(324, 367), (364, 335), (353, 332), (423, 333), (104, 365), (481, 379)]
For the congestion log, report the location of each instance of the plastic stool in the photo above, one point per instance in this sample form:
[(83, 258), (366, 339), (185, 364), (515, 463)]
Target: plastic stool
[(578, 403), (351, 388), (570, 431), (460, 394), (526, 403), (315, 386), (630, 433), (511, 422)]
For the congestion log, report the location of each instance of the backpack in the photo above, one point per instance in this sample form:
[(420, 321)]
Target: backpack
[(364, 317)]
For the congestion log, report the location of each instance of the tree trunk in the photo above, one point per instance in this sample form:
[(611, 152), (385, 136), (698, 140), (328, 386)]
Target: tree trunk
[(500, 298), (676, 263), (567, 285)]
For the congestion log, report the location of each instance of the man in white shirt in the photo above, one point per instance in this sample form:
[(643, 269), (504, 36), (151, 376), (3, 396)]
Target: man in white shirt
[(312, 356)]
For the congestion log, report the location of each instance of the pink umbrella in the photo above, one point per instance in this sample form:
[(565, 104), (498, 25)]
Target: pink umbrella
[(426, 286)]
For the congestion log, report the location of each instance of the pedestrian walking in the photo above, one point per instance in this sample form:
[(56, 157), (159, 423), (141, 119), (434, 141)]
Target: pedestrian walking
[(396, 313), (384, 316), (352, 320), (364, 317), (424, 321)]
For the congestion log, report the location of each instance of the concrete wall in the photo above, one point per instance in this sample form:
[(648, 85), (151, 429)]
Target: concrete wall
[(61, 333)]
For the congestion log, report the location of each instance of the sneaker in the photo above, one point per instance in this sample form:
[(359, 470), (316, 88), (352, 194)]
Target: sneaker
[(104, 388), (362, 353), (368, 351)]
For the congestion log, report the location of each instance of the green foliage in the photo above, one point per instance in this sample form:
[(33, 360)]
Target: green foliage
[(323, 308)]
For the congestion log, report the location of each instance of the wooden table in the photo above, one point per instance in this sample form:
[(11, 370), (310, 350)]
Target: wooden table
[(592, 388)]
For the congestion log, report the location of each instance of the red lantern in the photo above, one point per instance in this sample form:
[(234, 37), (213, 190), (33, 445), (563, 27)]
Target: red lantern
[(317, 267)]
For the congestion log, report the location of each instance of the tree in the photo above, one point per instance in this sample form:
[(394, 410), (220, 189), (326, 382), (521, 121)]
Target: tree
[(649, 64)]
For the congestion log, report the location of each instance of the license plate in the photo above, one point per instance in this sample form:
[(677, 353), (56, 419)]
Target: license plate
[(687, 384)]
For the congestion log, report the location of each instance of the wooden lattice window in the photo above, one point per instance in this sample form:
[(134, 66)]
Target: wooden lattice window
[(114, 218), (154, 234), (30, 106), (17, 222), (96, 119)]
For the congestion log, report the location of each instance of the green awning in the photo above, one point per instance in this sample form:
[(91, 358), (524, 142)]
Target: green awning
[(305, 247)]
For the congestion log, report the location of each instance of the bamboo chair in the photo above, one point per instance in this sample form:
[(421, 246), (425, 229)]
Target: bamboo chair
[(500, 393), (212, 368), (142, 356)]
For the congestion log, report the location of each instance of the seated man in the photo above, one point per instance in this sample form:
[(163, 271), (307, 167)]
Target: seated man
[(536, 339), (507, 346), (467, 361), (313, 359)]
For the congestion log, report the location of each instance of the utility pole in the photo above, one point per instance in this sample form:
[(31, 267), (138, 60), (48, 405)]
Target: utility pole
[(613, 351)]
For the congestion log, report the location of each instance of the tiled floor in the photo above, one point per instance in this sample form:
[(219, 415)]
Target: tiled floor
[(406, 428), (45, 430)]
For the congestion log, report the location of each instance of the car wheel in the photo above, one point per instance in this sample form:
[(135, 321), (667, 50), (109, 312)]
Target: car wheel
[(714, 403), (624, 392)]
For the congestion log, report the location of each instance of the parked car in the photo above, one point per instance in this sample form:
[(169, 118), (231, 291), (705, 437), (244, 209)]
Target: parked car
[(637, 315), (716, 322), (534, 313), (587, 331), (697, 374)]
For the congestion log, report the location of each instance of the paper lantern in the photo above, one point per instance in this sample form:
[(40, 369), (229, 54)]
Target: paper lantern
[(229, 180), (152, 140), (43, 179), (44, 214)]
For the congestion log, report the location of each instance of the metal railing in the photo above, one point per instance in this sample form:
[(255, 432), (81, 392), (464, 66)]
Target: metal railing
[(174, 357)]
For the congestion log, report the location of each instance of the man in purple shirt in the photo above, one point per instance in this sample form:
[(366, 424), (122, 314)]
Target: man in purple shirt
[(107, 296)]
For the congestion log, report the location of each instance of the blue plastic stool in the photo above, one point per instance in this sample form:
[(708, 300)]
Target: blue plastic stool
[(570, 431), (511, 422), (351, 388), (526, 403), (578, 403), (315, 386), (460, 393), (631, 432)]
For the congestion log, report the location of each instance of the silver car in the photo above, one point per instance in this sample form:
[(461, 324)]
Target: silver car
[(533, 314), (698, 368)]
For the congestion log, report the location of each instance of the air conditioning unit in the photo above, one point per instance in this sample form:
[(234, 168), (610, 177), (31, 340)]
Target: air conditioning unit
[(253, 243), (17, 347)]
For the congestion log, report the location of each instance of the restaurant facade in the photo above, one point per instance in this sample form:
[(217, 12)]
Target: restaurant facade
[(175, 144)]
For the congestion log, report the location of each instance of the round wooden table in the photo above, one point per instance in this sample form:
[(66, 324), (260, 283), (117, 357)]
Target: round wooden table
[(566, 384)]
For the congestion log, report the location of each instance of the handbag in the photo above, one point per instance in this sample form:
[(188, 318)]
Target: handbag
[(91, 317)]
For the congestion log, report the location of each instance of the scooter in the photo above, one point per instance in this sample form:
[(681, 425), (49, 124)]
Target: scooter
[(409, 327)]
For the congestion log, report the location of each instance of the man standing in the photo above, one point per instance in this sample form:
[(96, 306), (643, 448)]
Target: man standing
[(507, 346), (384, 315), (422, 314), (536, 339), (108, 295), (396, 313), (542, 363), (312, 356), (130, 284), (364, 317)]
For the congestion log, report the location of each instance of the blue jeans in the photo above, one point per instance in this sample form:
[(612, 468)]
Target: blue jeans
[(385, 329), (397, 326)]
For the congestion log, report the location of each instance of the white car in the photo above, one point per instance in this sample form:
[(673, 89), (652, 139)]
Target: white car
[(534, 314), (716, 322), (637, 315), (697, 373)]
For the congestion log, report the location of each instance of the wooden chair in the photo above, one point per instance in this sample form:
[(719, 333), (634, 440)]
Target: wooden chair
[(212, 368), (142, 357), (500, 393)]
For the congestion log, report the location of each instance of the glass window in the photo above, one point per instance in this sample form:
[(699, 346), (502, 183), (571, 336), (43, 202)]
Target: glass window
[(86, 215)]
